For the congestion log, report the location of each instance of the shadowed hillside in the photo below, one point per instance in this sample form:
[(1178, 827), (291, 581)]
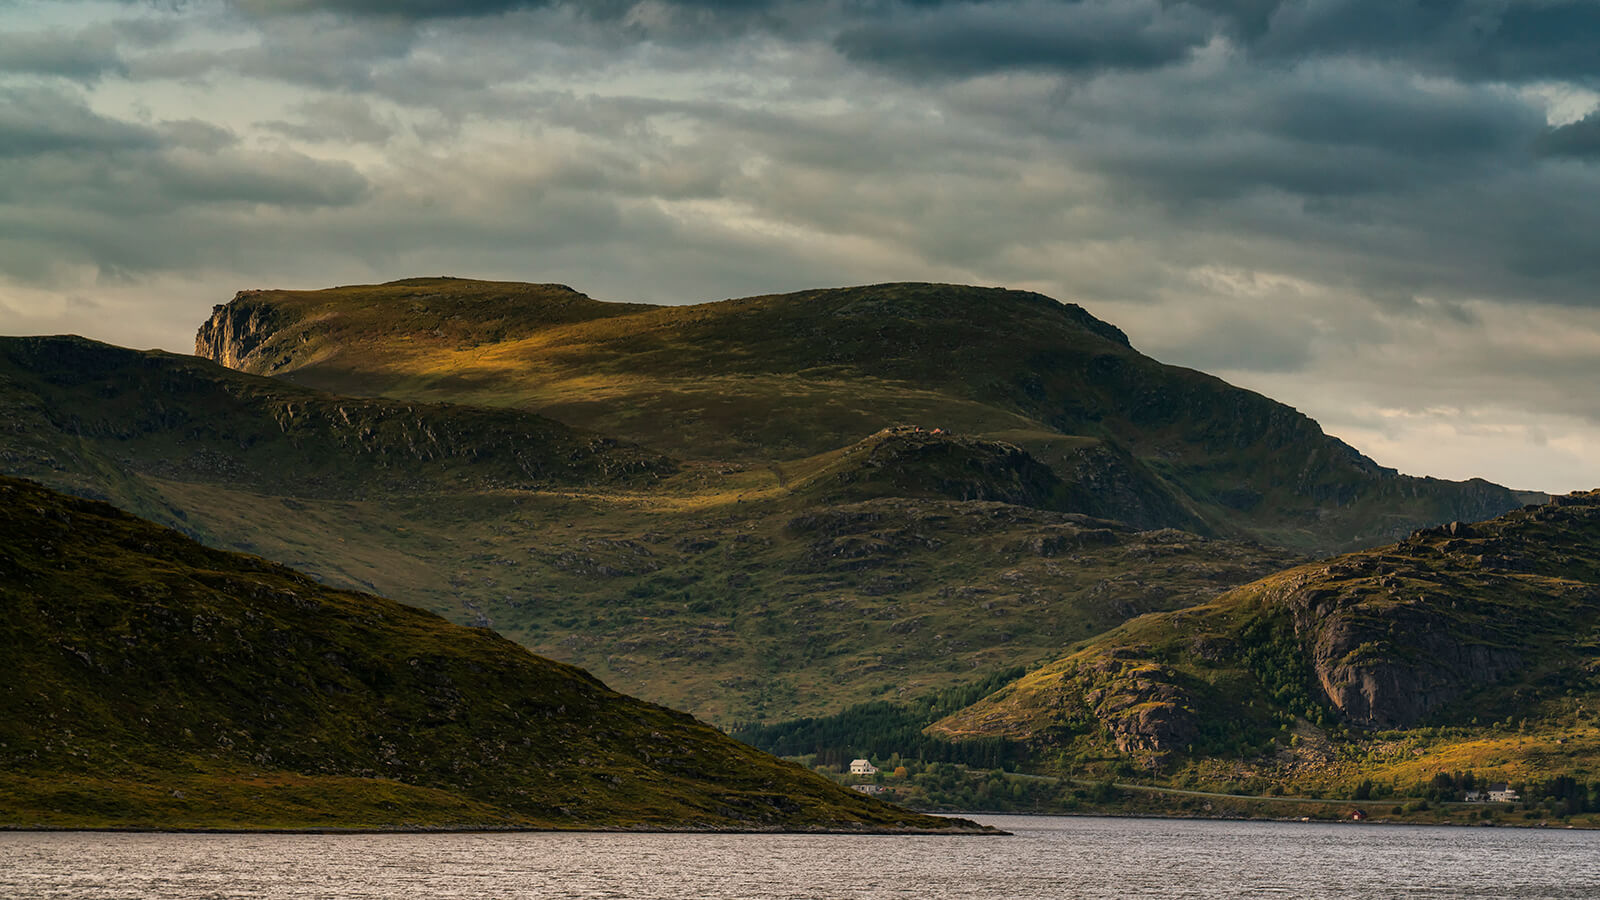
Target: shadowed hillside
[(777, 378), (153, 682)]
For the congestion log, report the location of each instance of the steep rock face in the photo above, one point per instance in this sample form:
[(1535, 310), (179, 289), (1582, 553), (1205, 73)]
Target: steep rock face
[(1376, 680), (237, 329), (1396, 634)]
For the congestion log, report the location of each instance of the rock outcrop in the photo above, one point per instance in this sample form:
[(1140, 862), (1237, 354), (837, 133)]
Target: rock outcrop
[(237, 330), (1452, 624), (181, 418)]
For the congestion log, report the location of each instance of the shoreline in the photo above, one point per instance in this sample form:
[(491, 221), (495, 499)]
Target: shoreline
[(976, 830), (1546, 825)]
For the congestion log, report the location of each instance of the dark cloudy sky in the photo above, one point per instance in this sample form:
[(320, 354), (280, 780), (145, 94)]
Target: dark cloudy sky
[(1383, 212)]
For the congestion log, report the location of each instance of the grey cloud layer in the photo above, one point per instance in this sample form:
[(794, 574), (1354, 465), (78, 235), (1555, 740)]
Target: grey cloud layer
[(1289, 189), (80, 188), (1519, 40), (965, 39), (1580, 139)]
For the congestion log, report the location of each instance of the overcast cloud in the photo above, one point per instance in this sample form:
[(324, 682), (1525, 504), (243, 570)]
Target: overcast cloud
[(1383, 212)]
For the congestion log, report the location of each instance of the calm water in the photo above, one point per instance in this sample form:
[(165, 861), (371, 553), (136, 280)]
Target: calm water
[(1047, 858)]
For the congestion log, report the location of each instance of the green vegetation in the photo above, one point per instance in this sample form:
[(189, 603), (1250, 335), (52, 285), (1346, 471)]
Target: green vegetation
[(885, 730), (153, 682), (1561, 801)]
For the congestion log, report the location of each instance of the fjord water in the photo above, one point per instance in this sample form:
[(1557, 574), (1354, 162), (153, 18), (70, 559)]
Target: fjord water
[(1046, 857)]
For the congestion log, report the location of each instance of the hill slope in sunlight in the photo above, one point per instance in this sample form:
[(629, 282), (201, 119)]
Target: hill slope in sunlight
[(1465, 647)]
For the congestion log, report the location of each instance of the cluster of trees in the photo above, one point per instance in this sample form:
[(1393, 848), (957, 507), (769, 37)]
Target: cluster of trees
[(880, 729), (946, 786), (1278, 662), (1452, 785), (1562, 795)]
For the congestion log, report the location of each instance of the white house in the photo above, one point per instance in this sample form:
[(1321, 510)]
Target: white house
[(862, 767), (1502, 793)]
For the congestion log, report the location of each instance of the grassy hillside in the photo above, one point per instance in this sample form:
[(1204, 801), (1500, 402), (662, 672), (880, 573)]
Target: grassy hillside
[(153, 682), (909, 461), (683, 583), (782, 378), (1461, 648)]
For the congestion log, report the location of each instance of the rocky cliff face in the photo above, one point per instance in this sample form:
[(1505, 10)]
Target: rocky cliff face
[(238, 329), (1388, 646), (1398, 634), (1450, 625)]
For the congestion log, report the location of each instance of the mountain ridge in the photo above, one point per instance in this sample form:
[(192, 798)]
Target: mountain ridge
[(783, 377)]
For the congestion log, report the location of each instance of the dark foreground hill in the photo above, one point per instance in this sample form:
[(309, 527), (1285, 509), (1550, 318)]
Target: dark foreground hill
[(152, 682), (1460, 648), (781, 378)]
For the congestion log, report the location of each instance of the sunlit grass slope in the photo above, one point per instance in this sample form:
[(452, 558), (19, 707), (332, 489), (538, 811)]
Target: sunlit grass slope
[(153, 682), (1467, 647), (786, 377), (92, 416)]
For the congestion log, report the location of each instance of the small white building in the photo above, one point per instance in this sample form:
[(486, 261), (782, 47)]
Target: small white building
[(1502, 793), (869, 789), (862, 767)]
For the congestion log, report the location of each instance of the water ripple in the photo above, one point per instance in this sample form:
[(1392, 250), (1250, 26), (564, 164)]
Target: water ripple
[(1048, 858)]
